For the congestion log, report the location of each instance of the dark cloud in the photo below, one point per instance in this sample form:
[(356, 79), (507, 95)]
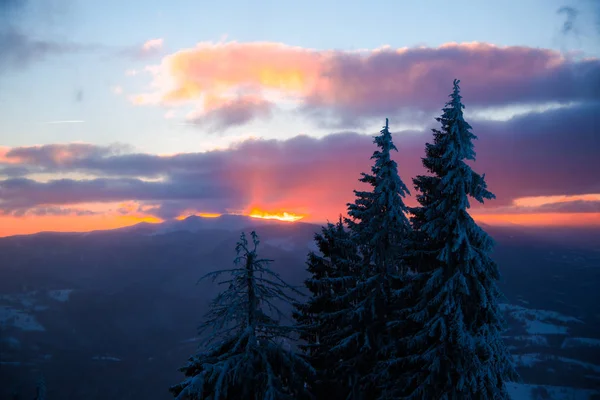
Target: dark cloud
[(234, 112), (14, 172), (56, 156), (18, 50), (572, 22), (19, 47), (538, 154), (22, 194), (388, 83), (542, 154), (567, 207), (570, 14), (578, 206), (48, 211)]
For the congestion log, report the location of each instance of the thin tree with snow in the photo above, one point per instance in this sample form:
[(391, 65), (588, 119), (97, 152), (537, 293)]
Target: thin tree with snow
[(457, 351), (332, 273), (244, 356)]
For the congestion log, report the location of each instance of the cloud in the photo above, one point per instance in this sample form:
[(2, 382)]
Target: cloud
[(21, 194), (219, 114), (540, 154), (147, 50), (572, 24), (18, 50), (19, 47), (153, 44), (573, 204), (348, 86), (570, 14), (59, 155), (54, 211), (577, 206)]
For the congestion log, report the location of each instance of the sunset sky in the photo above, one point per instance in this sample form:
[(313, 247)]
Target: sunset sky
[(118, 112)]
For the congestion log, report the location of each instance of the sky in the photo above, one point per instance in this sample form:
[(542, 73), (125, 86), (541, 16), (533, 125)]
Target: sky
[(114, 113)]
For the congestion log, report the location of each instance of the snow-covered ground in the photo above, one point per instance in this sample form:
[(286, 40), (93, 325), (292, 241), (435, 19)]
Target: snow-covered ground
[(540, 322), (18, 310), (535, 338), (534, 392), (531, 340), (10, 316), (580, 342), (105, 358), (60, 295)]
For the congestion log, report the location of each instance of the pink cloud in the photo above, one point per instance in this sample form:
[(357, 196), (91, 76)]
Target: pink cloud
[(351, 85), (153, 44)]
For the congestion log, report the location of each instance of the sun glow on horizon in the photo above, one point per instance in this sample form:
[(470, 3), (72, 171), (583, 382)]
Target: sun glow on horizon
[(203, 215), (253, 213), (281, 216)]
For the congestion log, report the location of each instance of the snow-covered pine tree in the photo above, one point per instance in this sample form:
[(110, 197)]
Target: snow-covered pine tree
[(332, 274), (457, 351), (379, 227), (243, 357), (378, 218)]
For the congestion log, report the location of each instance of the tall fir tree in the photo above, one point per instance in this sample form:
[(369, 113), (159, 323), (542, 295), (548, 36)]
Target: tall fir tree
[(457, 351), (379, 226), (332, 273), (243, 356), (378, 218)]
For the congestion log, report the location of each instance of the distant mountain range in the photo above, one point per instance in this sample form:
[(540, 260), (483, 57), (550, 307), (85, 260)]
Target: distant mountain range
[(112, 314)]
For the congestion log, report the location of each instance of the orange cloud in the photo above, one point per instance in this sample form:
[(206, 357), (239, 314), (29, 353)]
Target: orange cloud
[(537, 201), (82, 217), (7, 158), (219, 67), (541, 219), (10, 225)]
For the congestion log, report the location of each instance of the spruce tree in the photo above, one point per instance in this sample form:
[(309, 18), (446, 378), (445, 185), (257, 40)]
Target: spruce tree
[(457, 351), (243, 357), (379, 227), (331, 275), (378, 218)]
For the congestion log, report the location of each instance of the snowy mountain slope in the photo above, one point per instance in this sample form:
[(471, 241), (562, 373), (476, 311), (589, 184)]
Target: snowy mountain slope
[(122, 307)]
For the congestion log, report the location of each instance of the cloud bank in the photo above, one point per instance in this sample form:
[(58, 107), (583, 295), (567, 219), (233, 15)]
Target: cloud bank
[(538, 154), (346, 87)]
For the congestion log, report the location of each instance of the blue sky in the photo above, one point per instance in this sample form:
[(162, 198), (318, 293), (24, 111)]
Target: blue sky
[(47, 90)]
